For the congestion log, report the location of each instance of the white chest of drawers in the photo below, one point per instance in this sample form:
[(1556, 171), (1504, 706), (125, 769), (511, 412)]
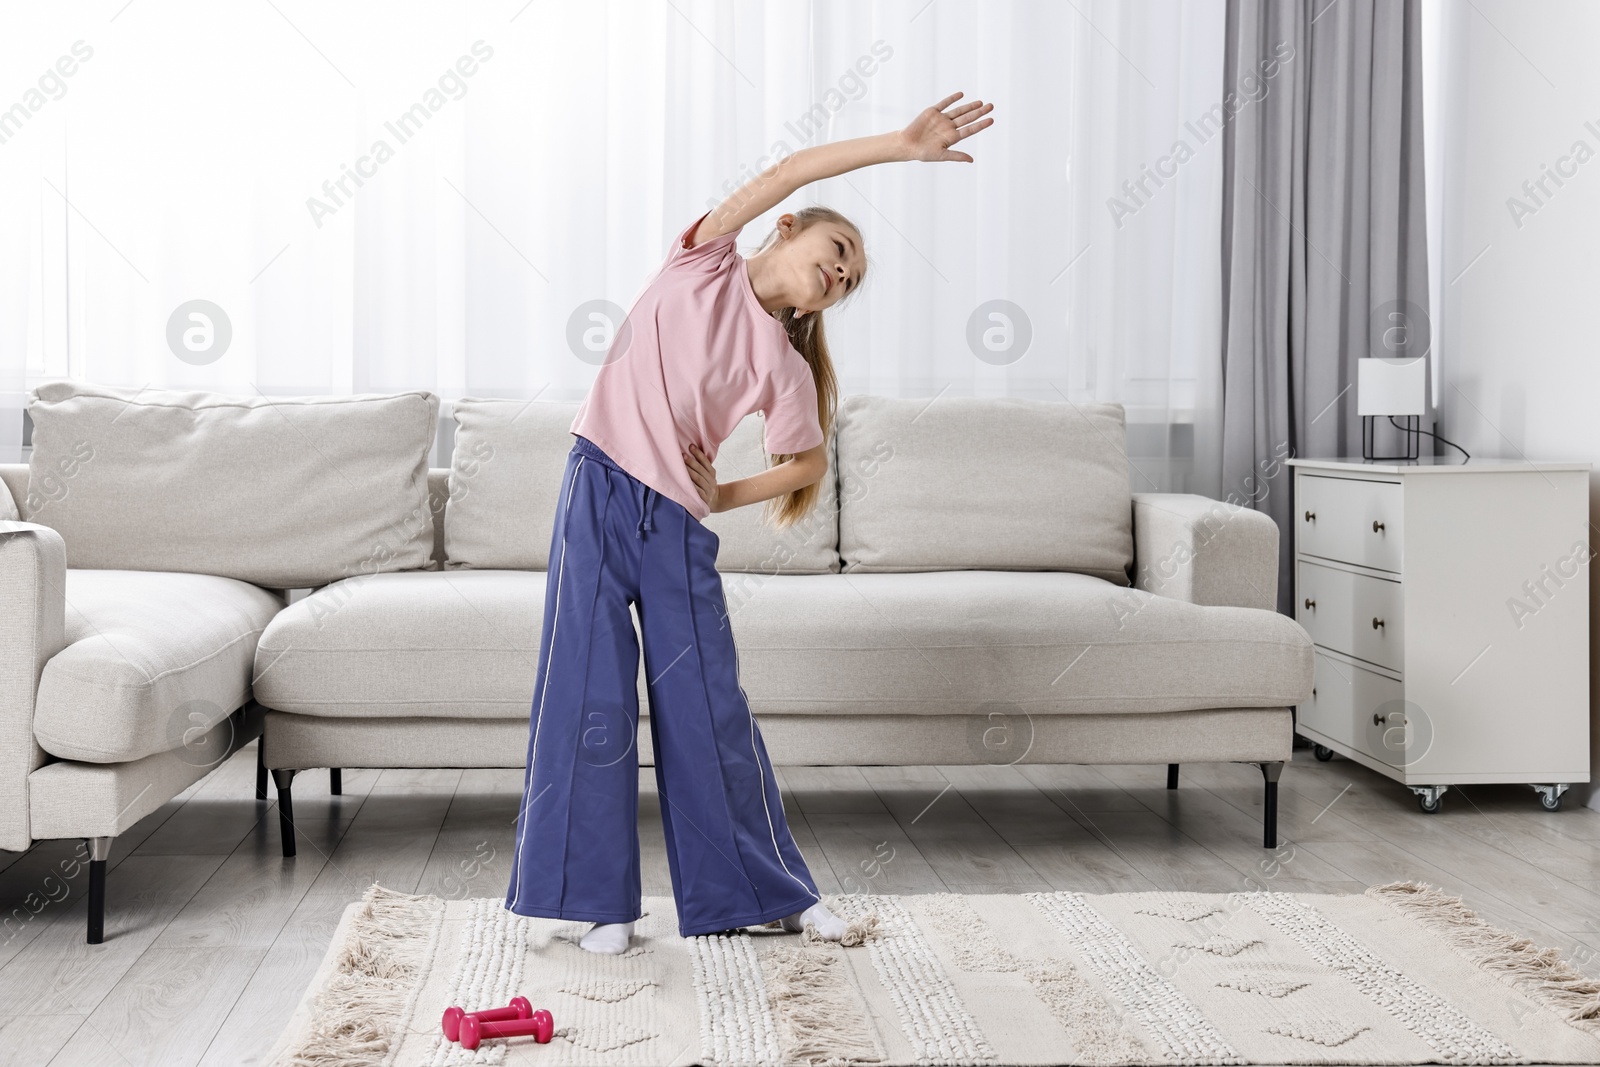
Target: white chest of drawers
[(1449, 605)]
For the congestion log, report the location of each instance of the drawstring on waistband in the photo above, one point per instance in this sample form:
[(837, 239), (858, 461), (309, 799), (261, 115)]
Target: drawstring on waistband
[(644, 508), (647, 496)]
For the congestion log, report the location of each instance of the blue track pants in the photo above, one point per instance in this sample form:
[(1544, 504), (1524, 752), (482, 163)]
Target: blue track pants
[(734, 863)]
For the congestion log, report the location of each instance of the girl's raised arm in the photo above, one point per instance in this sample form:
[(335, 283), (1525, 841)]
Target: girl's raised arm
[(927, 137)]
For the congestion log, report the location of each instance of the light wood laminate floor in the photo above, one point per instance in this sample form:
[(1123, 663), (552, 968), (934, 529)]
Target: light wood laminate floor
[(211, 936)]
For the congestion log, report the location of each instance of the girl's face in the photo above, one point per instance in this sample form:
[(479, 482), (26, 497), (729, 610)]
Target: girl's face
[(820, 265)]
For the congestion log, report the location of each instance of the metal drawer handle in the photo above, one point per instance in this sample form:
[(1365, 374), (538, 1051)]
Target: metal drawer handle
[(1311, 516), (1377, 720), (1313, 692), (1311, 605), (1376, 622), (1377, 527)]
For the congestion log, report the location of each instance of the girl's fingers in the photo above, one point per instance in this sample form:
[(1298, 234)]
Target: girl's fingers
[(964, 108), (971, 121), (968, 131), (699, 471), (947, 101)]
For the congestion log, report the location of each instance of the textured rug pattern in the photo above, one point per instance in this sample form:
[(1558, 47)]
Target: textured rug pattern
[(1401, 974)]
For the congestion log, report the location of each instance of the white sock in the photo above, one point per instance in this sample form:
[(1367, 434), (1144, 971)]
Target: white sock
[(608, 937), (828, 925)]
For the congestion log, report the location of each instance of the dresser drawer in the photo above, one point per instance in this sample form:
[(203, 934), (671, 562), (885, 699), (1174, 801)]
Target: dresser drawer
[(1351, 613), (1358, 708), (1349, 520)]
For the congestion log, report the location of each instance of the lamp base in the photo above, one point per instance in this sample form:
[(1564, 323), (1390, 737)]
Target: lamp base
[(1413, 435)]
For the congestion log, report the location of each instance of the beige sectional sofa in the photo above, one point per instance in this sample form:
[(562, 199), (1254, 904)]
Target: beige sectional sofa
[(978, 585)]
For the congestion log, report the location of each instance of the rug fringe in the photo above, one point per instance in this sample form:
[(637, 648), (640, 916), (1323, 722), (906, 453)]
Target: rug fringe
[(814, 1005), (355, 1016), (1540, 973), (858, 931)]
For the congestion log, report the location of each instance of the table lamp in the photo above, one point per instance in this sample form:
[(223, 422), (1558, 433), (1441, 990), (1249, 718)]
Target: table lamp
[(1392, 387)]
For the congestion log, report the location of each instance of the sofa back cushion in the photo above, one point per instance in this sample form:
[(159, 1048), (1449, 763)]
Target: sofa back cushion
[(285, 492), (963, 483), (505, 477), (746, 543)]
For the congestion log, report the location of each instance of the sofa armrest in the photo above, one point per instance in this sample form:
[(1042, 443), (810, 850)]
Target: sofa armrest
[(1204, 551), (33, 588)]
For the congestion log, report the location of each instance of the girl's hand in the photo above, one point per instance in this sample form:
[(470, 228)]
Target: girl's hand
[(930, 134), (704, 475)]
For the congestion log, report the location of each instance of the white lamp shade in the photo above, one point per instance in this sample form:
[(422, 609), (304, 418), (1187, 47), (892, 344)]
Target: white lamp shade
[(1392, 386)]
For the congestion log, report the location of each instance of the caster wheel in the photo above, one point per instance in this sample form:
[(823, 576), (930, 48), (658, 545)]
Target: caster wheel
[(1323, 753), (1430, 807), (1550, 803)]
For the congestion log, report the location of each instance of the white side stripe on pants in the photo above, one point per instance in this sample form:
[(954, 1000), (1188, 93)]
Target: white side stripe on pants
[(566, 513), (771, 830)]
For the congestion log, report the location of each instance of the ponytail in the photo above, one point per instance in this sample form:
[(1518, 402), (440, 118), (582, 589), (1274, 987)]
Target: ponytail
[(809, 338)]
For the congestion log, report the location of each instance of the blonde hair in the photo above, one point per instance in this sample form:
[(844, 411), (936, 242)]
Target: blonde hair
[(807, 335)]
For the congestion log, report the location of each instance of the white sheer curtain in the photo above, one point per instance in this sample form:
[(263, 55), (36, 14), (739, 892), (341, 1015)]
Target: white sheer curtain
[(557, 148), (1145, 301)]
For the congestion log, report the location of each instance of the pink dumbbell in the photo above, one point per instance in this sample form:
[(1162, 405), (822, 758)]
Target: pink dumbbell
[(519, 1008), (541, 1026)]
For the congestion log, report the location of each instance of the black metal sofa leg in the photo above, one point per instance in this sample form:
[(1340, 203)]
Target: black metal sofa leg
[(99, 852), (1172, 776), (336, 781), (1270, 772), (284, 780), (261, 768)]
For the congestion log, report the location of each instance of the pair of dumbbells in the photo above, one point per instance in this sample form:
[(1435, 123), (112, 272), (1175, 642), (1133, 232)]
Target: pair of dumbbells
[(518, 1019)]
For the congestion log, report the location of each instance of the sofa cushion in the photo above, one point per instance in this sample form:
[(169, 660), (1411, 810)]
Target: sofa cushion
[(152, 661), (454, 644), (284, 492), (746, 543), (465, 645), (986, 483), (958, 641), (505, 477)]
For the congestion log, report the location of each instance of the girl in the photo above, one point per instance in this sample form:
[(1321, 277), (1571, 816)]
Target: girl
[(711, 338)]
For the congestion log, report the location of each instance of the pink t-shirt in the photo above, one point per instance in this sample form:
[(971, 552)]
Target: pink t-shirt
[(701, 354)]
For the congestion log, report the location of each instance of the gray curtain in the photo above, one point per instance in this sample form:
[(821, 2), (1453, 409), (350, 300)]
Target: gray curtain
[(1324, 245)]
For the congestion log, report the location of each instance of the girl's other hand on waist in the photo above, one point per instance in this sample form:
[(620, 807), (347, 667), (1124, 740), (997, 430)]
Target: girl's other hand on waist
[(704, 476)]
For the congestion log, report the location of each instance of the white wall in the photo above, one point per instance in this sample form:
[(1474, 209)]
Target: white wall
[(1511, 89)]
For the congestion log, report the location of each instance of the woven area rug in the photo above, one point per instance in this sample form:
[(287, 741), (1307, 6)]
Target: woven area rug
[(1401, 974)]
